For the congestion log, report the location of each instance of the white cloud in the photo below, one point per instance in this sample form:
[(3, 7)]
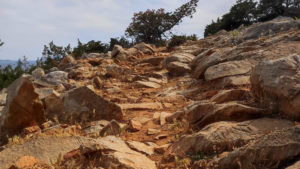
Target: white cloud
[(26, 25)]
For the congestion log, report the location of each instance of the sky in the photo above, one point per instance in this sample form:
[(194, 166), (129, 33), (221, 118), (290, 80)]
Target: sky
[(27, 25)]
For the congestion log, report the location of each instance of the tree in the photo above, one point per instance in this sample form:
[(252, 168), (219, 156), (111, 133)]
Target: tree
[(52, 55), (90, 47), (152, 26), (242, 13), (270, 9)]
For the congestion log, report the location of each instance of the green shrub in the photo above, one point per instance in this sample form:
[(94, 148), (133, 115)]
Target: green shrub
[(177, 40)]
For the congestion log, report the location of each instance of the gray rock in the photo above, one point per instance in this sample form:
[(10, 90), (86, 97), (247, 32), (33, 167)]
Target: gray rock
[(38, 73), (276, 84)]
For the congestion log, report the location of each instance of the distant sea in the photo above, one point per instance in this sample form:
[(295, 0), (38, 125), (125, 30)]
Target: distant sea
[(13, 63)]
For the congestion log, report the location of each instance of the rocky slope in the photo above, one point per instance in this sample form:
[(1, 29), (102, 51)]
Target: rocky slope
[(230, 100)]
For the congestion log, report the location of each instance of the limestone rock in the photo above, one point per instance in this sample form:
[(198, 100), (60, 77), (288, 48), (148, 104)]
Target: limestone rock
[(92, 55), (114, 70), (265, 28), (82, 104), (144, 48), (113, 128), (225, 136), (278, 147), (117, 154), (45, 92), (205, 112), (141, 147), (23, 107), (26, 162), (43, 149), (231, 68), (153, 131), (155, 61), (147, 84), (178, 68), (66, 62), (56, 77), (209, 58), (231, 111), (141, 106), (38, 73), (135, 125), (276, 84), (179, 57), (163, 117), (233, 81), (119, 53), (3, 94), (230, 95), (94, 129)]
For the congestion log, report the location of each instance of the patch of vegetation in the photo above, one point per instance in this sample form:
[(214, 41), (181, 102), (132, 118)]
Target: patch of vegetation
[(246, 12), (177, 40)]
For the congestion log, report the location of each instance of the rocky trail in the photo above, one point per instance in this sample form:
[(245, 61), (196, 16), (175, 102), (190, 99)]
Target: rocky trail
[(227, 101)]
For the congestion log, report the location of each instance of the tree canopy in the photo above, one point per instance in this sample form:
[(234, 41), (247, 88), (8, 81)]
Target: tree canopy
[(246, 12), (153, 26)]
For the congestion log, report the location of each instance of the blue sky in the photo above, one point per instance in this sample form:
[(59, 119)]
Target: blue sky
[(26, 25)]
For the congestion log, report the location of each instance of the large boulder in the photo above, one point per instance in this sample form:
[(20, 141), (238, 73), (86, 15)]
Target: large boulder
[(279, 24), (276, 84), (231, 111), (179, 57), (225, 136), (231, 68), (178, 63), (46, 150), (56, 77), (206, 112), (273, 150), (209, 58), (144, 48), (23, 107), (67, 62), (38, 73), (178, 68), (81, 104), (114, 70), (119, 53), (117, 154)]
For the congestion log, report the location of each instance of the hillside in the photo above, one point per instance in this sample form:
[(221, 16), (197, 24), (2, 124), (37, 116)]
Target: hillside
[(228, 101)]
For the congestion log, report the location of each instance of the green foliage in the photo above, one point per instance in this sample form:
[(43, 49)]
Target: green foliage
[(242, 13), (120, 41), (177, 40), (10, 74), (246, 12), (90, 47), (153, 26), (52, 55)]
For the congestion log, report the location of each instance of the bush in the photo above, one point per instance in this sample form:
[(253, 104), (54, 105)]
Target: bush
[(125, 43), (90, 47), (177, 40)]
